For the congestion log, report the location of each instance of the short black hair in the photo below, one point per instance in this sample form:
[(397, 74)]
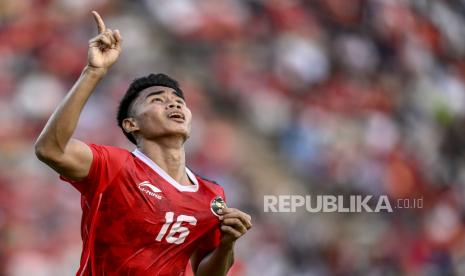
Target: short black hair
[(133, 91)]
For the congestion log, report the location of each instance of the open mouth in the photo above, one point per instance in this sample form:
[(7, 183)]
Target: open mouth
[(176, 116)]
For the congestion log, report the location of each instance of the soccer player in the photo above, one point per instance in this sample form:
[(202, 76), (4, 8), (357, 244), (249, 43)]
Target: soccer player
[(144, 212)]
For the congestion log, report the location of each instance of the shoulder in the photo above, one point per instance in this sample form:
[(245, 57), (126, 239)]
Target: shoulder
[(111, 153), (109, 149), (208, 181), (212, 184)]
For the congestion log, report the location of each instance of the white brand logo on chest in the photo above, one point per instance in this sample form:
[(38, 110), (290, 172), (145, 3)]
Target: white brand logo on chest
[(149, 189)]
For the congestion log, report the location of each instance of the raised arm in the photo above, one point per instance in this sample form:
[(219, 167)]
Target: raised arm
[(70, 157)]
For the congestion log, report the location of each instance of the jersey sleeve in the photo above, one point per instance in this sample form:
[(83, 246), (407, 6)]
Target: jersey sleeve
[(106, 163)]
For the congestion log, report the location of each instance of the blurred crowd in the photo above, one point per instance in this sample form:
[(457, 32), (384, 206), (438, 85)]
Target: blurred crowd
[(361, 97)]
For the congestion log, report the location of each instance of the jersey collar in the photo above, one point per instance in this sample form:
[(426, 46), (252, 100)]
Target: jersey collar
[(183, 188)]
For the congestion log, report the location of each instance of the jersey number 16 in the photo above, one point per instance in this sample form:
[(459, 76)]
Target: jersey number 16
[(178, 233)]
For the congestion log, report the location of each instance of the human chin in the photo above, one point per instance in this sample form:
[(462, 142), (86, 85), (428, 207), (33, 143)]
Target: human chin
[(176, 128)]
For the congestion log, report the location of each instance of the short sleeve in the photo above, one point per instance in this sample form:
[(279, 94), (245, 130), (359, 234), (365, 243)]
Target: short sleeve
[(107, 161)]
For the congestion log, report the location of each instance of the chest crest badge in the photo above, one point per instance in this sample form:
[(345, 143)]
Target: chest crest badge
[(217, 204)]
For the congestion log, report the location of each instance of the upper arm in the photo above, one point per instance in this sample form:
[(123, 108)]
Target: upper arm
[(74, 163)]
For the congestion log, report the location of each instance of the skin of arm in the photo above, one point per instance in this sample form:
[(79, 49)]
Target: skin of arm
[(234, 224), (217, 262), (70, 157)]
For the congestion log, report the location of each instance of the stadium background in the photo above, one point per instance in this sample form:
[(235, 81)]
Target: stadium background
[(288, 96)]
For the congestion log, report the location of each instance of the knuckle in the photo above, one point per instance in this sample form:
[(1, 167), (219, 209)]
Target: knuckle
[(234, 221)]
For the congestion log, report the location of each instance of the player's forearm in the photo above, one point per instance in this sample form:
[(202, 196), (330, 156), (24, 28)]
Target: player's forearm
[(218, 262), (60, 127)]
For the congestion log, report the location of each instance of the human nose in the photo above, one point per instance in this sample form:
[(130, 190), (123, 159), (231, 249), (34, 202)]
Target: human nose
[(174, 104)]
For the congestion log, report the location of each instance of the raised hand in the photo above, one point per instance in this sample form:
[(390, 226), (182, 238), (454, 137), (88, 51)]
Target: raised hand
[(105, 48)]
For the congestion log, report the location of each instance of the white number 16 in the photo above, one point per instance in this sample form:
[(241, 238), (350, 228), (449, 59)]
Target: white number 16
[(175, 228)]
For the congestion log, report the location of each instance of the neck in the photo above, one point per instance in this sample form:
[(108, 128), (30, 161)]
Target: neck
[(169, 155)]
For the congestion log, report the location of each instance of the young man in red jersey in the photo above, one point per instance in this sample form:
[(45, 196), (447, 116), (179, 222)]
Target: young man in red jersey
[(145, 212)]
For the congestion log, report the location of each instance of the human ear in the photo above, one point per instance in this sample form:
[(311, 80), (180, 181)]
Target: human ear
[(130, 125)]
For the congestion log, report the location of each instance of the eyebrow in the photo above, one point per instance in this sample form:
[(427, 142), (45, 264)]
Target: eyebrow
[(154, 93), (161, 92)]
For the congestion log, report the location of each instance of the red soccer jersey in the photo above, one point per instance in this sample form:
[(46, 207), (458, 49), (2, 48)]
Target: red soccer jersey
[(137, 220)]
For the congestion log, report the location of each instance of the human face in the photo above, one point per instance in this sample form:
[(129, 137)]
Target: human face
[(158, 112)]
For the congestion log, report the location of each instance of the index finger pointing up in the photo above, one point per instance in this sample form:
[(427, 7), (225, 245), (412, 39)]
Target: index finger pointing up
[(99, 21)]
